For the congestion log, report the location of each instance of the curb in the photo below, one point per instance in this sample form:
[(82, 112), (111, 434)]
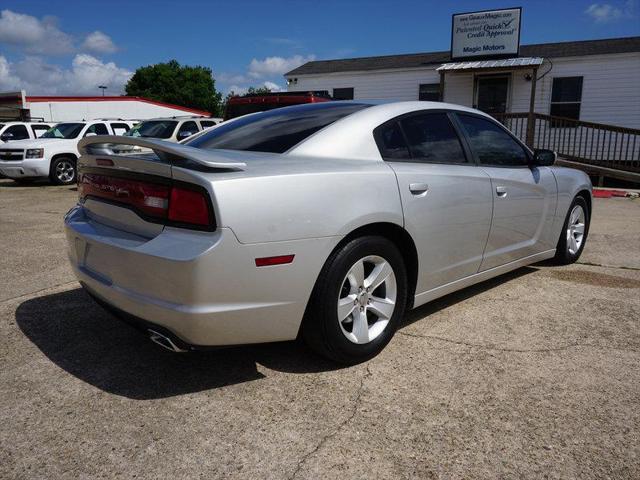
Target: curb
[(609, 193)]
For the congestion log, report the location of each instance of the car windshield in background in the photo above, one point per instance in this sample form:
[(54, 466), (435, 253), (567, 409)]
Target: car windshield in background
[(64, 130), (275, 131), (153, 129)]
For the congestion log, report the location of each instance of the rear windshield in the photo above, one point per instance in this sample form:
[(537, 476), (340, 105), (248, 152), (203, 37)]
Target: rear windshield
[(64, 130), (275, 131), (153, 129)]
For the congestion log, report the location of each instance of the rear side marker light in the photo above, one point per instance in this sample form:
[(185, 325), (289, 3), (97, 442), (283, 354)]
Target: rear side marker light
[(270, 261)]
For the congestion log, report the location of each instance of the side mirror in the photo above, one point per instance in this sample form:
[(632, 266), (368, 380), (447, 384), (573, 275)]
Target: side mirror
[(5, 137), (544, 158), (90, 134), (185, 134)]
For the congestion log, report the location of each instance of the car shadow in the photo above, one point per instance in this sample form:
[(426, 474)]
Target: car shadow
[(83, 339)]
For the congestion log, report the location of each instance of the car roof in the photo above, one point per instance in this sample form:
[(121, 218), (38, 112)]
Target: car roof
[(351, 136)]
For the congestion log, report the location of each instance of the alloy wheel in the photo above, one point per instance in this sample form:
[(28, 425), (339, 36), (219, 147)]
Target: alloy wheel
[(367, 299), (575, 229), (65, 172)]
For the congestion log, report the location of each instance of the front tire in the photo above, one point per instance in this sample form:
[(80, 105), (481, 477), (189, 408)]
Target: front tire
[(63, 171), (574, 232), (358, 301)]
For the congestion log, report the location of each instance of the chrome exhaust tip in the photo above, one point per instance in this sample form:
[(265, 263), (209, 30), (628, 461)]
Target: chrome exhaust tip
[(164, 341)]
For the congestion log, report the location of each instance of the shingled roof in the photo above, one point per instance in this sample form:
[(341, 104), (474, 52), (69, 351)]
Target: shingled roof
[(415, 60)]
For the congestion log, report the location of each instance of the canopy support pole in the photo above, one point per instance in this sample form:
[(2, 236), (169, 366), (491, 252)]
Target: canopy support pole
[(531, 119)]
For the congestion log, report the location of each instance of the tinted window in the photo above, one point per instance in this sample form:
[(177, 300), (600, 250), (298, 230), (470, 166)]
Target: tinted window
[(429, 92), (432, 138), (343, 93), (64, 130), (207, 123), (275, 131), (38, 130), (98, 129), (119, 128), (153, 129), (187, 129), (566, 95), (391, 142), (491, 144), (17, 132)]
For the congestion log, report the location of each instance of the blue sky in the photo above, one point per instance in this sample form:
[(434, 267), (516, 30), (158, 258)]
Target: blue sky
[(70, 47)]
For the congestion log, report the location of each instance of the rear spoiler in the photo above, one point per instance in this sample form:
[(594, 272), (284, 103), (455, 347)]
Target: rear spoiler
[(167, 151)]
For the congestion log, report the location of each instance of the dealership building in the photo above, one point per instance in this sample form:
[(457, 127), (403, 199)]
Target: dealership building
[(20, 106), (592, 80)]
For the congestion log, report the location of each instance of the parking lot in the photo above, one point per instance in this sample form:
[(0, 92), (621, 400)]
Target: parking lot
[(535, 374)]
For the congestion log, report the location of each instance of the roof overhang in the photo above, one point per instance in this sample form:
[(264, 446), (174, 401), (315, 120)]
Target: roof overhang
[(484, 65)]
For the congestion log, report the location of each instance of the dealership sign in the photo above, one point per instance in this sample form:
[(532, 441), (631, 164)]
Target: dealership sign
[(492, 33)]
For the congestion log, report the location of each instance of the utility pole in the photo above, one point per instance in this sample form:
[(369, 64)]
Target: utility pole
[(103, 88)]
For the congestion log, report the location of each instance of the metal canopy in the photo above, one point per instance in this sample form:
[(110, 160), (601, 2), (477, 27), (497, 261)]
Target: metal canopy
[(523, 62)]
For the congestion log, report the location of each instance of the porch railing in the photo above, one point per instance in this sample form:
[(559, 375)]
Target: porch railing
[(582, 142)]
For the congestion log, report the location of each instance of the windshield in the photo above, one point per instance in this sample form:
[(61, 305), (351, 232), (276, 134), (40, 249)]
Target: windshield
[(64, 130), (153, 129), (275, 131)]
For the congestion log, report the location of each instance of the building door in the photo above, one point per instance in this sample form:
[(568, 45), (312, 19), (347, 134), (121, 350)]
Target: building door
[(492, 93)]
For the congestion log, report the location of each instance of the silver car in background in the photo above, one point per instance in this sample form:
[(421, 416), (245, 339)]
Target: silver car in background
[(325, 220)]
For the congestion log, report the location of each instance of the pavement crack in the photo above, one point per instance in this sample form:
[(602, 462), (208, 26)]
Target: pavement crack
[(619, 267), (329, 436), (518, 350)]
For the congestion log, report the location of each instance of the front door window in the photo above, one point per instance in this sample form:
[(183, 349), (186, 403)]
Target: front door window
[(492, 93)]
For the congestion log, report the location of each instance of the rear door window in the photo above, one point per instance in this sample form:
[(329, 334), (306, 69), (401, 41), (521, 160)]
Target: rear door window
[(119, 128), (391, 142), (187, 129), (432, 138), (39, 129), (98, 129)]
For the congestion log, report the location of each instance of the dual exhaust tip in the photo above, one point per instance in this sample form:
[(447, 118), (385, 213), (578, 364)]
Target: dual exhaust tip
[(164, 341)]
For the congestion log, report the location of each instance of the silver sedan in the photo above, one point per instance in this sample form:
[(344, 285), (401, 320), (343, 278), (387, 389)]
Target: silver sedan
[(326, 221)]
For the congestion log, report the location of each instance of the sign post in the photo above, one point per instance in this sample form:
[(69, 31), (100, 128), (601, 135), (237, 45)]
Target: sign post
[(486, 34)]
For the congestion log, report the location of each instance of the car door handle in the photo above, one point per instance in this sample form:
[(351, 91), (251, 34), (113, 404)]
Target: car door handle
[(501, 192), (419, 189)]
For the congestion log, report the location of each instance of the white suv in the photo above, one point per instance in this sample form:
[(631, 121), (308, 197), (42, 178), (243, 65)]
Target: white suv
[(54, 154), (12, 131), (172, 129)]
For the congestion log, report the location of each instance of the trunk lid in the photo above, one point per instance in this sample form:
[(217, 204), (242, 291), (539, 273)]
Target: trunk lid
[(135, 192)]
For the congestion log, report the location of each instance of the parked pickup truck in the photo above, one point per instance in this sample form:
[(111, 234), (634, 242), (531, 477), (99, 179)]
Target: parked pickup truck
[(12, 131), (55, 153)]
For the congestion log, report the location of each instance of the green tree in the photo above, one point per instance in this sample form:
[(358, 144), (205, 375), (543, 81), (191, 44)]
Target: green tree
[(179, 84)]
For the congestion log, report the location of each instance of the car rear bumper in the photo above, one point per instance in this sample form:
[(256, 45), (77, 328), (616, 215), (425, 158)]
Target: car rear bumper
[(203, 287), (30, 167)]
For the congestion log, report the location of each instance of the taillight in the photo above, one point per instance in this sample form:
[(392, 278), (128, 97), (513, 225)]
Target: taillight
[(188, 206), (156, 201)]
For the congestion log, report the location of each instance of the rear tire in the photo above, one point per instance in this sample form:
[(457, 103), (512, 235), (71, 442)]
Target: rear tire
[(63, 171), (574, 232), (358, 301)]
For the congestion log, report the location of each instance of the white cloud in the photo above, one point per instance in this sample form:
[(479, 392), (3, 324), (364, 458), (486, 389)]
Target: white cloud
[(606, 13), (83, 77), (274, 87), (99, 42), (33, 35), (271, 66)]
